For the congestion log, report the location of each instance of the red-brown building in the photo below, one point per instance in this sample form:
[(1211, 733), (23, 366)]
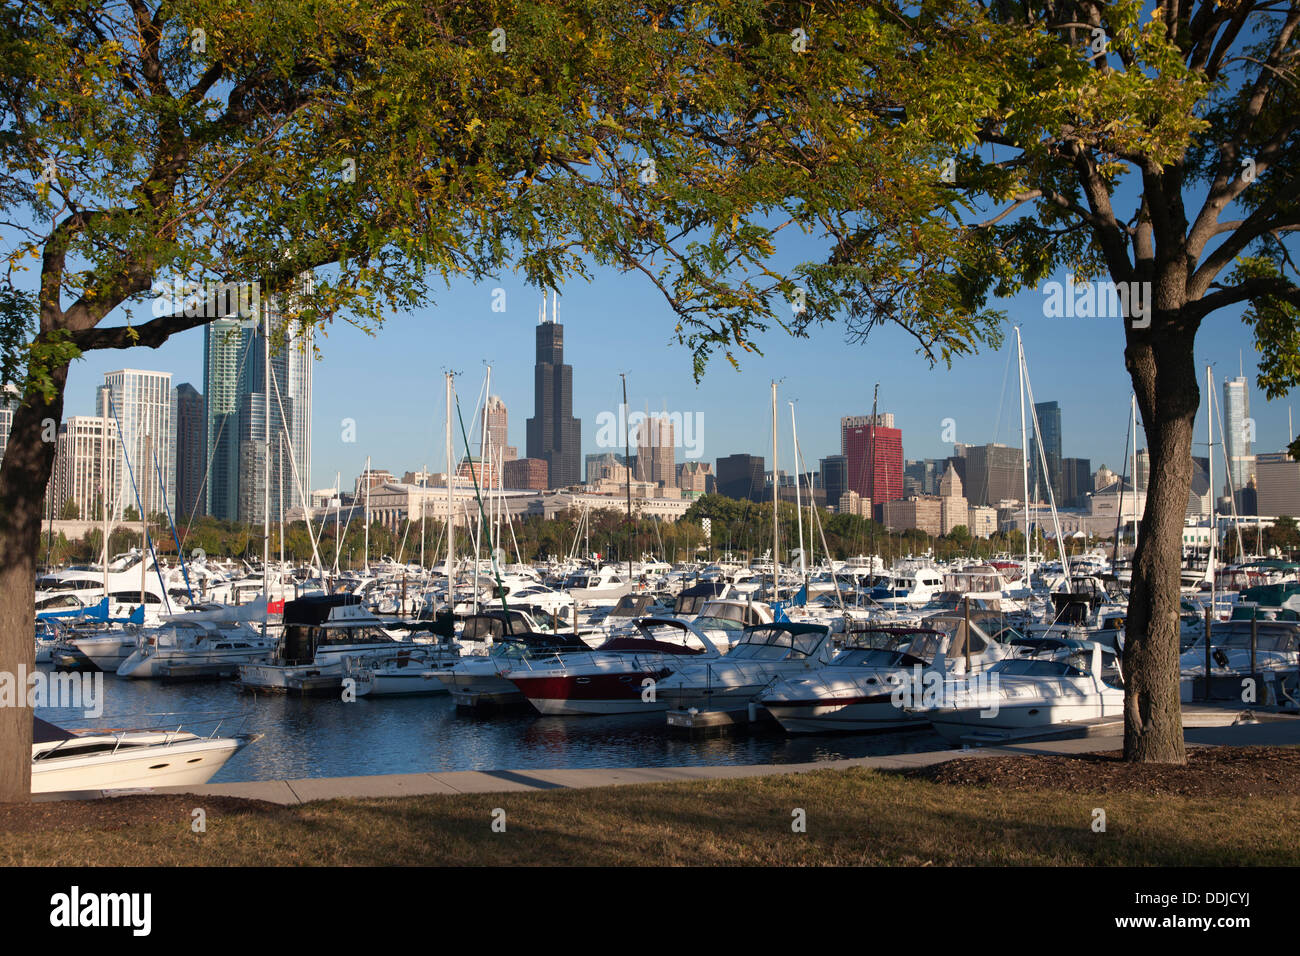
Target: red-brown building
[(873, 472), (525, 474)]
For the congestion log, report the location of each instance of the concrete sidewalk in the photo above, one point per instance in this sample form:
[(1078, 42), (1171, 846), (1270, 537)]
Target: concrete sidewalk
[(1270, 733)]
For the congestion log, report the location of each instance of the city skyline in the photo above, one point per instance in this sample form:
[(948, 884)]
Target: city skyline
[(399, 423)]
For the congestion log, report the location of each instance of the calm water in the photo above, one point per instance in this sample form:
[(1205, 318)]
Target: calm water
[(326, 737)]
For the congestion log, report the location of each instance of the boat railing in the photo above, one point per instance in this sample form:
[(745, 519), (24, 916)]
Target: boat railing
[(172, 724)]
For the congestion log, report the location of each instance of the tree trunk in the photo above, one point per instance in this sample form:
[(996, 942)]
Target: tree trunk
[(24, 475), (1164, 376)]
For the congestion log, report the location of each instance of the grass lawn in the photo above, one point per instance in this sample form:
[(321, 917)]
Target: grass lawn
[(853, 817)]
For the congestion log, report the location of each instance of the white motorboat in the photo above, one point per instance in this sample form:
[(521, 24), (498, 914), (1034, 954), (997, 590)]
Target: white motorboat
[(125, 759), (108, 647), (480, 682), (619, 677), (1024, 694), (604, 586), (319, 632), (127, 583), (413, 670), (857, 690), (210, 642), (1277, 652), (764, 654), (906, 589)]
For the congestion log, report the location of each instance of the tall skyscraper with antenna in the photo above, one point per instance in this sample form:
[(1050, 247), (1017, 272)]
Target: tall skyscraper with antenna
[(554, 435)]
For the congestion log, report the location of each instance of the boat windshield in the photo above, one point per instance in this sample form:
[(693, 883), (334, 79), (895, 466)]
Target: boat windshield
[(1027, 667), (873, 657), (331, 636), (691, 603), (776, 644), (1271, 637), (719, 624)]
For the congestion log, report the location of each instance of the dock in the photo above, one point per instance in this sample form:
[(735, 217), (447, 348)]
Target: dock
[(696, 722), (317, 686), (187, 672)]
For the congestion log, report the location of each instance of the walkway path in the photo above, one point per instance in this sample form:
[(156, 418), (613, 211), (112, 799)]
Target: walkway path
[(1273, 733)]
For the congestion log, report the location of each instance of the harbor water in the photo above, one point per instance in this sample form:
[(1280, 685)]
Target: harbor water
[(327, 737)]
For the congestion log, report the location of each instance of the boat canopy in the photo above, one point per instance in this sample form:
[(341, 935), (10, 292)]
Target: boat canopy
[(315, 608)]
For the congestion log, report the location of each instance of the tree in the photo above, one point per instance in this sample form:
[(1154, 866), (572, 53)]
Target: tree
[(1149, 146), (70, 511), (327, 159)]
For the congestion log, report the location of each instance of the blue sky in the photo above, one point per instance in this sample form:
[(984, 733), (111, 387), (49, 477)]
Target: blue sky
[(391, 383)]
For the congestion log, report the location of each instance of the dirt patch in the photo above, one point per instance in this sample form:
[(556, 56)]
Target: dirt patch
[(114, 813), (1210, 772)]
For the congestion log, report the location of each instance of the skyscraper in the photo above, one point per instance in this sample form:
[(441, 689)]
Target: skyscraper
[(191, 453), (554, 435), (226, 347), (235, 394), (655, 461), (874, 457), (302, 359), (1142, 474), (498, 426), (1237, 433), (1279, 485), (84, 464), (834, 469), (741, 477), (1076, 479), (994, 473), (1048, 415), (142, 406)]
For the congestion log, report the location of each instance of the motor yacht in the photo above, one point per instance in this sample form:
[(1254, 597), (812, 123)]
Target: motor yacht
[(604, 586), (1019, 695), (619, 677), (765, 653), (319, 632), (210, 642), (1277, 652), (413, 670), (479, 682), (856, 691)]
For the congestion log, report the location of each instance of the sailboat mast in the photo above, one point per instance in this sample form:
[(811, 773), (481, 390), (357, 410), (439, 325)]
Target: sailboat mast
[(1024, 455), (1134, 467), (627, 462), (144, 526), (798, 503), (1214, 521), (266, 455), (776, 539), (365, 564), (451, 516), (103, 478), (871, 469), (279, 481)]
